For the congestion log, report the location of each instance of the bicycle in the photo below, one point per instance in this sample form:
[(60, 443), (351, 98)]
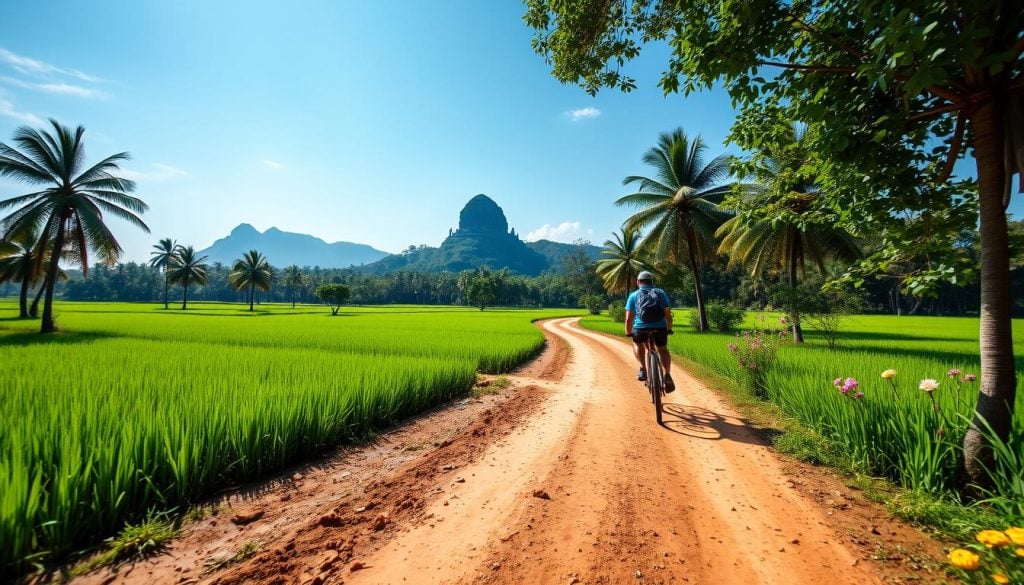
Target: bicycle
[(655, 374)]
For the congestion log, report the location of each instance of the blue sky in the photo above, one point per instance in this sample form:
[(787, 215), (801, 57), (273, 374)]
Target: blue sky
[(370, 122)]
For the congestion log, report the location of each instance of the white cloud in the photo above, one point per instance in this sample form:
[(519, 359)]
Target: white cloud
[(272, 164), (159, 172), (56, 88), (567, 231), (582, 114), (8, 109), (31, 66)]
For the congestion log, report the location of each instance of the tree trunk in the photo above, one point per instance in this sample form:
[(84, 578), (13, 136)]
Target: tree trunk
[(702, 313), (167, 289), (998, 386), (252, 290), (48, 325), (794, 254), (23, 299), (33, 311), (184, 297)]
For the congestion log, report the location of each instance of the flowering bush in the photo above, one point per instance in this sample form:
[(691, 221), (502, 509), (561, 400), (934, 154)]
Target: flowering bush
[(755, 355), (998, 557)]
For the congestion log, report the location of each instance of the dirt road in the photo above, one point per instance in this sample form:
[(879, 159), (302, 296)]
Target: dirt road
[(565, 479)]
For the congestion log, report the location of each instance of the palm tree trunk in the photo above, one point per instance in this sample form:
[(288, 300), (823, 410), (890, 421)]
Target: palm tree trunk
[(252, 290), (48, 325), (998, 385), (794, 253), (167, 289), (184, 297), (23, 299), (698, 290), (33, 311)]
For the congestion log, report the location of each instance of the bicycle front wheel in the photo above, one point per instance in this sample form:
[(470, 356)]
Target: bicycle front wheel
[(657, 381)]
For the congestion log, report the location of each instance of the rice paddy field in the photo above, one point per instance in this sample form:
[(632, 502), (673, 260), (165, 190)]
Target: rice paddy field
[(131, 408), (893, 429)]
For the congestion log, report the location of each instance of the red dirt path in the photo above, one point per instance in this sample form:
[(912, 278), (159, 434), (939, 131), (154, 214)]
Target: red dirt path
[(562, 478)]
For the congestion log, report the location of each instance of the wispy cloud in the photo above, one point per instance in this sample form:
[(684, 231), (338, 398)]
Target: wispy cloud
[(582, 114), (158, 172), (56, 88), (272, 164), (8, 109), (30, 66), (567, 231)]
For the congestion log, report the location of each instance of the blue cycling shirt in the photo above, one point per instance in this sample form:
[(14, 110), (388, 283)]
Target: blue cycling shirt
[(631, 306)]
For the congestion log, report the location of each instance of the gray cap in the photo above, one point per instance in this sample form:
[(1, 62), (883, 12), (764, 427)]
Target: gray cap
[(645, 276)]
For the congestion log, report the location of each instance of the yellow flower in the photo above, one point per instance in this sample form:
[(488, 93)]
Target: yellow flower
[(1016, 535), (1000, 578), (992, 538), (1019, 552), (888, 374), (964, 559)]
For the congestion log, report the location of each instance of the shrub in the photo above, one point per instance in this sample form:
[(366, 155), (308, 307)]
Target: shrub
[(617, 312), (724, 316), (592, 303), (755, 355)]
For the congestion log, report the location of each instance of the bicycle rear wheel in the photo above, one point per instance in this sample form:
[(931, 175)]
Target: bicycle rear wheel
[(656, 381)]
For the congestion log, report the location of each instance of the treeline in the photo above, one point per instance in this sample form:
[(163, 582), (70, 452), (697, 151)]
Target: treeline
[(566, 287)]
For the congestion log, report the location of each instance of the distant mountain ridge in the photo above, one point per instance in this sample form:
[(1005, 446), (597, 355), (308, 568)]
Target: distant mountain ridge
[(286, 248)]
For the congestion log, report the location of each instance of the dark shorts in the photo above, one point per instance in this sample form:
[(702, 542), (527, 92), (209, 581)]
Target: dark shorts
[(660, 336)]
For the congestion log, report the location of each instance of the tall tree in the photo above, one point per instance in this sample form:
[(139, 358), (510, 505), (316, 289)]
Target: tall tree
[(187, 269), (294, 279), (160, 258), (69, 210), (890, 79), (679, 209), (251, 271), (783, 221), (18, 263), (621, 261)]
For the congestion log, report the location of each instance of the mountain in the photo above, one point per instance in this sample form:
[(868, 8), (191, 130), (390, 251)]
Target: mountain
[(287, 248), (482, 239)]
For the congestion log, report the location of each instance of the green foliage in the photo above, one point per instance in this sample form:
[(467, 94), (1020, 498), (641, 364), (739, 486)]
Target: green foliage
[(621, 260), (480, 287), (617, 312), (334, 295), (723, 316), (257, 395), (135, 541), (187, 268), (593, 303)]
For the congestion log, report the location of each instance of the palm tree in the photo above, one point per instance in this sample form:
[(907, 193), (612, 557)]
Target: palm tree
[(186, 269), (783, 223), (621, 262), (162, 254), (293, 279), (252, 271), (679, 209), (18, 263), (69, 210)]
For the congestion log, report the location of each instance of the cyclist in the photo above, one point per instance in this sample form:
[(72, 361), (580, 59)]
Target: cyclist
[(648, 310)]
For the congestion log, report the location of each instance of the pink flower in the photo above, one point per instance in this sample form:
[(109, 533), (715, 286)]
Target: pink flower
[(859, 395), (970, 377), (844, 390), (837, 382), (850, 384), (733, 347), (953, 373)]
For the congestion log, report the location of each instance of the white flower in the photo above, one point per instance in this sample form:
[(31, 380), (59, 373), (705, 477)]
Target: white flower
[(928, 385)]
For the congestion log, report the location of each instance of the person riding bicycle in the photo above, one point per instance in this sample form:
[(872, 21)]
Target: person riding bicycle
[(648, 311)]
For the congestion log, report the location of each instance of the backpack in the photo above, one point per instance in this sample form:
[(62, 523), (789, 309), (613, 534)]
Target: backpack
[(648, 306)]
